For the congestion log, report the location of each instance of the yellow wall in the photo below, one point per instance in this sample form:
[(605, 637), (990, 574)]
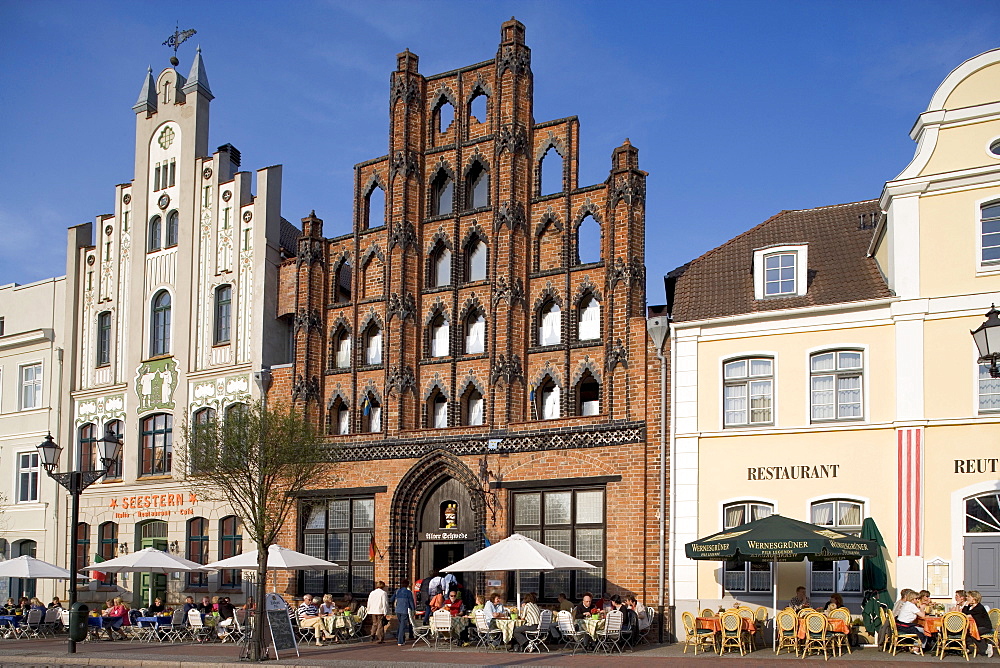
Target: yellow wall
[(982, 85), (963, 146), (950, 363)]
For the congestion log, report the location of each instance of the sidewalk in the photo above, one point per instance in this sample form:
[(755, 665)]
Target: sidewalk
[(46, 652)]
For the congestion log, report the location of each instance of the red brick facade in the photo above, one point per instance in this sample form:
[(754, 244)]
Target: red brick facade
[(390, 276)]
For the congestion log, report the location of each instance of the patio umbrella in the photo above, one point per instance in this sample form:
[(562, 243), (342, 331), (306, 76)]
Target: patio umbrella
[(149, 560), (280, 558), (874, 577), (777, 538), (516, 553), (29, 567)]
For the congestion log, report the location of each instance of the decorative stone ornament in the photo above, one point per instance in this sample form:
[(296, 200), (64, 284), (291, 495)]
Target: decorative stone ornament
[(127, 199), (166, 138), (164, 201), (247, 216), (227, 195), (207, 173)]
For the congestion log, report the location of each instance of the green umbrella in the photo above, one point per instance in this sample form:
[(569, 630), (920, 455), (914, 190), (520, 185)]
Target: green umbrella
[(874, 578), (777, 538)]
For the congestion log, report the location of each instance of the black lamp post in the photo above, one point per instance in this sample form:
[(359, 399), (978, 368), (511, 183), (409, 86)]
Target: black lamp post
[(987, 339), (75, 482)]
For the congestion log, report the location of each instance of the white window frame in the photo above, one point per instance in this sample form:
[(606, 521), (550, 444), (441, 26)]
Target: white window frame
[(477, 259), (746, 381), (475, 333), (343, 419), (550, 325), (342, 354), (840, 567), (979, 381), (442, 267), (990, 266), (31, 470), (39, 382), (589, 320), (743, 501), (837, 373), (440, 336), (801, 253), (373, 345)]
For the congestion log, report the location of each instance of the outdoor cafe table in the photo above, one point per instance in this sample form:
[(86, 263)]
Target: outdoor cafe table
[(932, 625), (590, 625), (152, 624), (715, 624), (506, 627), (834, 625), (338, 623), (12, 622)]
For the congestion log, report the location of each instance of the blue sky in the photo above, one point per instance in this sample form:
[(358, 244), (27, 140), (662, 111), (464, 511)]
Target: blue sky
[(739, 109)]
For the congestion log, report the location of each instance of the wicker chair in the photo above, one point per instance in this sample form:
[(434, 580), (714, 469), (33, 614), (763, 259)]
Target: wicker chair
[(995, 621), (840, 640), (786, 622), (706, 612), (696, 637), (732, 632), (954, 632), (885, 630), (899, 640), (817, 637)]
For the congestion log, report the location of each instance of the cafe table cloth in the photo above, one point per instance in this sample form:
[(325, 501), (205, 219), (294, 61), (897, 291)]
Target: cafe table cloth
[(832, 625), (933, 625), (715, 624), (334, 623), (506, 627), (591, 626)]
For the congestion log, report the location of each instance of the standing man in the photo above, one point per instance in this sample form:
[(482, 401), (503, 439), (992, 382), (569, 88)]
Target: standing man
[(378, 608), (403, 600)]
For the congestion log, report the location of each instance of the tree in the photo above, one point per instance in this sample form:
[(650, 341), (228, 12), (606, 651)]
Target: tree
[(255, 459)]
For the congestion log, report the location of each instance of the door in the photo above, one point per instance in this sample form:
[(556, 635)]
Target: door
[(982, 568), (158, 581)]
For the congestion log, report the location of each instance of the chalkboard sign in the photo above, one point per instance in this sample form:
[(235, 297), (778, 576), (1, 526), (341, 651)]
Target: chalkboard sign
[(282, 634)]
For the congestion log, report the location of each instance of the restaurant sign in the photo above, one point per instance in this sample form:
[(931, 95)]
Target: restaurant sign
[(153, 505), (792, 472), (976, 465), (445, 535)]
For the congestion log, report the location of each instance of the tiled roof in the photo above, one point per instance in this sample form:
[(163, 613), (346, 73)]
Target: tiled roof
[(720, 282), (289, 239)]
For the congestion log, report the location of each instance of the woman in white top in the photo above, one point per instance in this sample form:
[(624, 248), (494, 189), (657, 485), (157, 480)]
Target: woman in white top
[(906, 618)]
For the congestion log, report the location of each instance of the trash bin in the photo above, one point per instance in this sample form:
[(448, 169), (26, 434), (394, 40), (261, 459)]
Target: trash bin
[(78, 613)]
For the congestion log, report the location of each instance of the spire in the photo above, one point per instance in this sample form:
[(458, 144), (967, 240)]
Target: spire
[(197, 80), (147, 96)]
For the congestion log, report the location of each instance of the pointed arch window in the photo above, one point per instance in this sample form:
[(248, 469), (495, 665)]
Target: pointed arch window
[(374, 207), (477, 187), (551, 172), (472, 407), (342, 349), (437, 410), (477, 107), (371, 413), (153, 240), (547, 394), (342, 282), (440, 335), (373, 344), (588, 241), (442, 194), (589, 323), (550, 324), (444, 115), (173, 230), (440, 266), (588, 395), (475, 261), (475, 333), (160, 331), (339, 418)]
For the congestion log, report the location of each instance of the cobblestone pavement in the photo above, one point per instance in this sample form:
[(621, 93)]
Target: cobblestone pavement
[(45, 652)]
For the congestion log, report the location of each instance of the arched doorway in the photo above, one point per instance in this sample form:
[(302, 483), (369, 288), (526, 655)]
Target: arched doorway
[(152, 533), (438, 518)]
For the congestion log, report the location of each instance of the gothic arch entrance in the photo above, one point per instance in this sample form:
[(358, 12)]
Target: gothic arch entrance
[(438, 517)]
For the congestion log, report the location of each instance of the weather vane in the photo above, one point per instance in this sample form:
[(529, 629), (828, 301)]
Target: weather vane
[(175, 40)]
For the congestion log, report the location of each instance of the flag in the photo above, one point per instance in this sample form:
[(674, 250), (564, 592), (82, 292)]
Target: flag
[(366, 405), (486, 540), (372, 549), (98, 575), (532, 395)]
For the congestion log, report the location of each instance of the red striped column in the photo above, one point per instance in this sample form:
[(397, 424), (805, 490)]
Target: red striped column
[(910, 489)]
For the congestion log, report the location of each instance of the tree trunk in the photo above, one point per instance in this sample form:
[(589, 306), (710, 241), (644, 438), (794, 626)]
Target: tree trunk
[(257, 642)]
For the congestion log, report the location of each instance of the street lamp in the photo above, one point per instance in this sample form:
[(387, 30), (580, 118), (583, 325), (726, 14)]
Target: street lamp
[(987, 339), (108, 449)]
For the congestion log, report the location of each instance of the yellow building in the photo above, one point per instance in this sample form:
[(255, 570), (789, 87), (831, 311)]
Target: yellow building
[(821, 368)]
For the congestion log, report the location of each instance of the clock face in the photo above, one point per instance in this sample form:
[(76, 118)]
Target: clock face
[(166, 138), (164, 201)]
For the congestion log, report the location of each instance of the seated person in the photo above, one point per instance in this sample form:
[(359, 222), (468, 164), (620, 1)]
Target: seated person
[(564, 603), (800, 601), (960, 595), (924, 601), (309, 618), (642, 615), (902, 599), (205, 607), (36, 604), (836, 601), (454, 604), (56, 603), (494, 609), (349, 604), (157, 608), (480, 603), (116, 616), (583, 608), (328, 607), (906, 620), (436, 602), (227, 612), (189, 605), (974, 608), (249, 605), (530, 615), (630, 620)]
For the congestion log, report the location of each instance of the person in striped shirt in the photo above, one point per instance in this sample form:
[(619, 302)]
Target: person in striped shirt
[(308, 615)]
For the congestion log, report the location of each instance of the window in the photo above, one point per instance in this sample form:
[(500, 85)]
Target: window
[(441, 266), (342, 282), (236, 410), (571, 521), (88, 447), (588, 396), (780, 271), (27, 477), (588, 241), (104, 339), (477, 108), (982, 513), (223, 313), (475, 333), (160, 334), (172, 230), (444, 115), (475, 261), (342, 349), (339, 418), (990, 217), (197, 549), (995, 148), (753, 378), (589, 323), (740, 576), (116, 427), (31, 386), (548, 406), (472, 407), (371, 411), (440, 332), (550, 325), (374, 207), (836, 385), (230, 545), (373, 344), (437, 410), (477, 187), (779, 274), (442, 194), (837, 576), (989, 390), (153, 242), (173, 172), (107, 548), (551, 172), (341, 531), (82, 544), (157, 444)]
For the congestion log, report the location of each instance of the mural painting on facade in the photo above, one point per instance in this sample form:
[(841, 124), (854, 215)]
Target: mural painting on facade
[(101, 409), (154, 384), (220, 392)]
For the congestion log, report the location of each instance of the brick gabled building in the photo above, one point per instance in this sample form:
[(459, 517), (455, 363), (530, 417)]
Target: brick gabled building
[(474, 346)]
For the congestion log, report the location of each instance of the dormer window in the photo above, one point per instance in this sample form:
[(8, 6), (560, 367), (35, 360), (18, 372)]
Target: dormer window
[(780, 271)]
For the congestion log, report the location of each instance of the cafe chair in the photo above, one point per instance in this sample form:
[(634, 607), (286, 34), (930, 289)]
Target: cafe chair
[(733, 634), (199, 631), (786, 621), (177, 630), (33, 624), (884, 633), (421, 632), (489, 639), (954, 631), (840, 640), (441, 625), (706, 612), (642, 634), (354, 630), (537, 638), (817, 637), (760, 623), (899, 640), (610, 637), (696, 637), (994, 637)]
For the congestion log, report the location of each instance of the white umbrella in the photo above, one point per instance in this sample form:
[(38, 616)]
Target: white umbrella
[(29, 567), (517, 553), (149, 560), (280, 558)]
